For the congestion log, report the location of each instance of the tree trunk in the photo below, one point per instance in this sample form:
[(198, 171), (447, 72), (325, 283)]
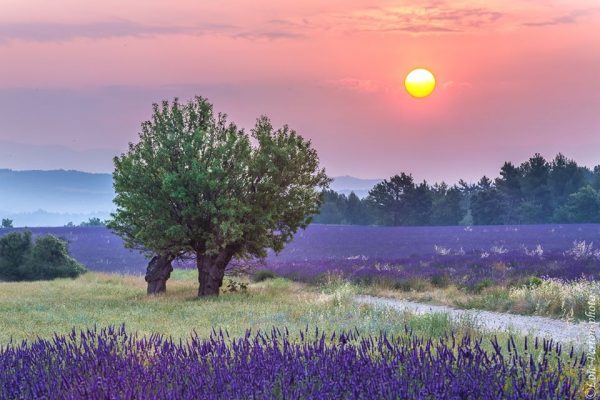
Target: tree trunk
[(211, 270), (158, 271)]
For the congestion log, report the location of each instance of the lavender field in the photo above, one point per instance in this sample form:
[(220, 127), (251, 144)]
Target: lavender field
[(113, 363), (462, 254)]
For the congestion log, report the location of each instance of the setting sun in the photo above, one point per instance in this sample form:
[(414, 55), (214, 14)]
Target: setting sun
[(419, 82)]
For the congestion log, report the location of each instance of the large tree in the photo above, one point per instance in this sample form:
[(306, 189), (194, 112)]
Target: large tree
[(509, 186), (196, 184), (582, 206), (446, 206), (392, 198), (536, 207), (486, 203)]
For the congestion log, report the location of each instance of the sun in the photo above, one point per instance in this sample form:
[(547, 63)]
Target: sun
[(419, 82)]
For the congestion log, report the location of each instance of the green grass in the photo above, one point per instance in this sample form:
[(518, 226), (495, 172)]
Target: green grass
[(548, 298), (39, 309), (29, 310)]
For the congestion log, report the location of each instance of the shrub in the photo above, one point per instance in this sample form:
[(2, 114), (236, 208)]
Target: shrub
[(15, 248), (407, 285), (47, 258), (533, 281), (262, 275), (482, 284), (440, 281)]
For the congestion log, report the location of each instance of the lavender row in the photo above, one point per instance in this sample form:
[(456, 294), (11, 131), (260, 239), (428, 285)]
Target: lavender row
[(111, 363), (468, 270), (318, 246)]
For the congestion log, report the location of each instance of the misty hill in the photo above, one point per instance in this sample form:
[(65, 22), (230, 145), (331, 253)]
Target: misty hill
[(53, 198), (346, 184), (56, 191)]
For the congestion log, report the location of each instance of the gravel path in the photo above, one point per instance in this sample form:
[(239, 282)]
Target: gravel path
[(561, 331)]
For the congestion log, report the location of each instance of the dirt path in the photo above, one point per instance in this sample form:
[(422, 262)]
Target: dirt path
[(561, 331)]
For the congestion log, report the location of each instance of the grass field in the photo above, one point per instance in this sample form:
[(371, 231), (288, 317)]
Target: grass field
[(545, 297), (40, 309)]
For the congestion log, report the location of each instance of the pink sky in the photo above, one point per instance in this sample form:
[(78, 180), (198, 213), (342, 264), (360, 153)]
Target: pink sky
[(514, 77)]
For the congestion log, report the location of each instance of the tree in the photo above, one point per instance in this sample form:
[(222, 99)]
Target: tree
[(50, 259), (47, 258), (94, 221), (390, 198), (446, 208), (15, 249), (357, 212), (333, 208), (509, 186), (195, 183), (537, 205), (7, 223), (595, 177), (580, 207), (565, 178), (486, 204), (418, 203)]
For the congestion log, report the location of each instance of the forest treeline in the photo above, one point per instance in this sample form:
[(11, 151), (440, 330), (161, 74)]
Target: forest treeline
[(537, 191)]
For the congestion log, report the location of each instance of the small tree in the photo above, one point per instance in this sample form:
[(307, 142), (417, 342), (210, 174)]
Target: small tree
[(197, 184), (392, 198), (47, 258), (94, 221), (7, 223), (15, 250), (582, 206)]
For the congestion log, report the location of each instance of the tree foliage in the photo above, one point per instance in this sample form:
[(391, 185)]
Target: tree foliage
[(94, 221), (537, 191), (7, 223), (195, 183), (46, 258), (581, 206)]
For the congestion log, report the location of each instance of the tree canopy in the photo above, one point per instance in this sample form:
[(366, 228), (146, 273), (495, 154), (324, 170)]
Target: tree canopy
[(537, 191), (197, 184)]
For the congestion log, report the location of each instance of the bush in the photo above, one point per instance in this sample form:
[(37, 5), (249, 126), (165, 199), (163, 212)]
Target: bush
[(408, 285), (440, 281), (533, 281), (15, 248), (262, 275), (47, 258), (483, 284)]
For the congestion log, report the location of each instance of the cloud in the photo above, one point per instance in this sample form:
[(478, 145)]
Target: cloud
[(457, 85), (51, 32), (357, 85), (435, 17), (269, 35), (58, 32), (569, 18)]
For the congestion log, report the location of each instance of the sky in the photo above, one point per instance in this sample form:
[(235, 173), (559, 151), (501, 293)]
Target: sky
[(514, 78)]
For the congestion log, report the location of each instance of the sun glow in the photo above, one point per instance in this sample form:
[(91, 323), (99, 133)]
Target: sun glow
[(419, 82)]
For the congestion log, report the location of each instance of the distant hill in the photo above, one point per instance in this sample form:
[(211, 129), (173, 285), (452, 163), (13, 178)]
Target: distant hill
[(346, 184), (50, 198), (53, 198)]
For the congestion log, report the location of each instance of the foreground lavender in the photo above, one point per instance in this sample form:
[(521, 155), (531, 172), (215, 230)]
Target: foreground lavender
[(111, 364)]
